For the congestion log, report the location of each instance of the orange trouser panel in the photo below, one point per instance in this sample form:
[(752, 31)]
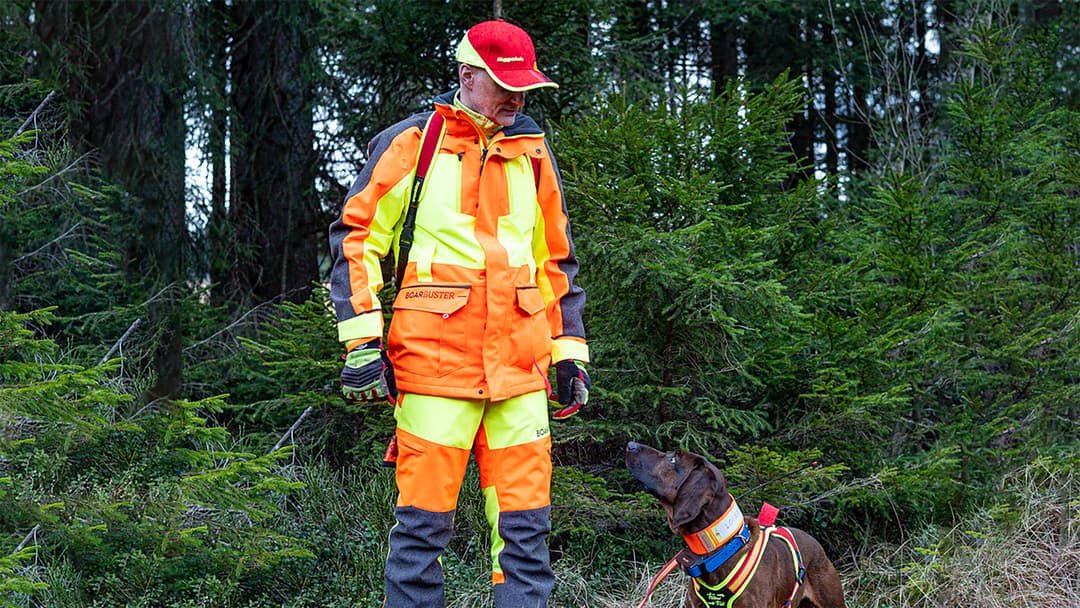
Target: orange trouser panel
[(428, 474), (521, 473)]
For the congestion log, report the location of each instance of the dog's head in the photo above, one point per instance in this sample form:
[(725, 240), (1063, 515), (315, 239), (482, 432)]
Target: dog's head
[(692, 491)]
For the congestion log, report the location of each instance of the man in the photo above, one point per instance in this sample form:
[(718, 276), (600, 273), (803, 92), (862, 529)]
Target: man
[(486, 302)]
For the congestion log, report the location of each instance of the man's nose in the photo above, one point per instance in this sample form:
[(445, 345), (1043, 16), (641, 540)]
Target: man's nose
[(517, 98)]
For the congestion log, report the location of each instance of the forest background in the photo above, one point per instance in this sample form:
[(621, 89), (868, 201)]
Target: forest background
[(834, 231)]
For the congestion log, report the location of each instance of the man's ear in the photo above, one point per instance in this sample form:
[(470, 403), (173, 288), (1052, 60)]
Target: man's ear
[(466, 76)]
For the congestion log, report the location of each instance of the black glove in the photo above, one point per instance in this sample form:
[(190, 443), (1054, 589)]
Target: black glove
[(572, 387), (367, 376)]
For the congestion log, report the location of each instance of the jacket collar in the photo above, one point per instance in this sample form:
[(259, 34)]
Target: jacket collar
[(523, 124)]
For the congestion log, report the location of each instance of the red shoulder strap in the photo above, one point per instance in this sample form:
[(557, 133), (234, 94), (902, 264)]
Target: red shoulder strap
[(536, 171), (428, 146)]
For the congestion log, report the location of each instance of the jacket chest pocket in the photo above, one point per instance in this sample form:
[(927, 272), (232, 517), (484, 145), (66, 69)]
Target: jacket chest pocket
[(429, 329)]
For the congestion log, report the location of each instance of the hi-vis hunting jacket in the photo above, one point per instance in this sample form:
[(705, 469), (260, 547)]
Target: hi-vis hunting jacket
[(488, 298)]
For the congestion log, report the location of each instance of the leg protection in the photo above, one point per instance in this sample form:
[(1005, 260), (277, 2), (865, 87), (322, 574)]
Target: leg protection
[(525, 561), (434, 438), (413, 575), (513, 453)]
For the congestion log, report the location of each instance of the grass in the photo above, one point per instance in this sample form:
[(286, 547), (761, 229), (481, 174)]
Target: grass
[(1022, 551)]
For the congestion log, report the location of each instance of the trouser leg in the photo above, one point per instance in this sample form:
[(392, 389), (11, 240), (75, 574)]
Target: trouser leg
[(513, 453), (413, 575), (434, 438)]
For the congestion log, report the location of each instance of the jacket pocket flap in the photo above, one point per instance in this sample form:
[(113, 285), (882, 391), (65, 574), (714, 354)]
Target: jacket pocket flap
[(441, 299), (530, 300)]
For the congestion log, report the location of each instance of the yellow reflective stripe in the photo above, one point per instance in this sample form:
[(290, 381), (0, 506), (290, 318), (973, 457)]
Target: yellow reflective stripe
[(423, 253), (517, 420), (516, 229), (569, 348), (443, 420), (382, 235), (439, 220), (491, 511), (541, 254), (363, 326)]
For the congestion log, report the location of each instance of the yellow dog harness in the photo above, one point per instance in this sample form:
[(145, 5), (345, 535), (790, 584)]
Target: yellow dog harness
[(723, 540), (727, 592)]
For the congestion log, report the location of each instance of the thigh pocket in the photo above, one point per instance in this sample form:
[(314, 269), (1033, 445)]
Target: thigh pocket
[(429, 329), (531, 338)]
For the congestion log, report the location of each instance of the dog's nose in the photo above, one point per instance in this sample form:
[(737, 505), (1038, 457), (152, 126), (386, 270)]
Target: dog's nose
[(632, 446)]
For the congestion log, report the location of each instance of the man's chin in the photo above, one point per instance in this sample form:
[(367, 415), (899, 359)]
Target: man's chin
[(505, 119)]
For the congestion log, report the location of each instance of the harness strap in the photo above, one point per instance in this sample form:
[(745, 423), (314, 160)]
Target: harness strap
[(698, 565), (536, 172), (728, 591), (796, 556), (429, 144)]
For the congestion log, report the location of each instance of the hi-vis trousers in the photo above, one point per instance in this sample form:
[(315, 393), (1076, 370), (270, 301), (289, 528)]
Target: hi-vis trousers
[(511, 443)]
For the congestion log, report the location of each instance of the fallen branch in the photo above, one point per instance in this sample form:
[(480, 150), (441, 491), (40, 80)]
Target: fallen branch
[(76, 162), (31, 534), (33, 115), (292, 429), (16, 261), (235, 323), (115, 346)]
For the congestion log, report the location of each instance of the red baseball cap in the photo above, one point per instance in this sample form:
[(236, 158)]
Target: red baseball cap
[(506, 53)]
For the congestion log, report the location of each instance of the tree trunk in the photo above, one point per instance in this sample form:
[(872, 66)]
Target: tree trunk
[(830, 82), (723, 55), (122, 68), (218, 233), (273, 210), (858, 132)]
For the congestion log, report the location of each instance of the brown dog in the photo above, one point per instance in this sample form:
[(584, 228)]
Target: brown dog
[(694, 496)]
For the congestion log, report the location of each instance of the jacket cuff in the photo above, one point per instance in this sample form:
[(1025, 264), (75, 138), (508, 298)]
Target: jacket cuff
[(567, 347), (364, 326)]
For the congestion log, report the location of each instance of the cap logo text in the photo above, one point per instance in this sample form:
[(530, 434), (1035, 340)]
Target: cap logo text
[(509, 59)]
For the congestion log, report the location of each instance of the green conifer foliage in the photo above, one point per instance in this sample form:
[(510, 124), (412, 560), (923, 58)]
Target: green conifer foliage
[(117, 502), (679, 223)]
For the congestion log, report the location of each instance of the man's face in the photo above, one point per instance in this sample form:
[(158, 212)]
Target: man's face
[(481, 93)]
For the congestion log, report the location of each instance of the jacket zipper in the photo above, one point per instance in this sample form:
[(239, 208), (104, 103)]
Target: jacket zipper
[(483, 158)]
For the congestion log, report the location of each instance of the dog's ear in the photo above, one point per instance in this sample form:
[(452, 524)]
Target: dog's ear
[(701, 487)]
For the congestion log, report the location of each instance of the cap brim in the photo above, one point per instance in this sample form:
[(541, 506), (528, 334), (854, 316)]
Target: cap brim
[(521, 80)]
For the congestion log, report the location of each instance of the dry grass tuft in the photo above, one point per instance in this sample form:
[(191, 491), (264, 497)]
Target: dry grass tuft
[(1022, 552)]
